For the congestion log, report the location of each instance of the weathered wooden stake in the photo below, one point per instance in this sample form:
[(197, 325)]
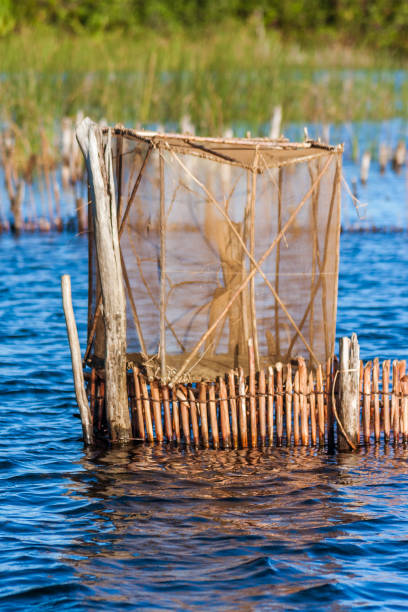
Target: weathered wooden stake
[(77, 370), (349, 404), (100, 173)]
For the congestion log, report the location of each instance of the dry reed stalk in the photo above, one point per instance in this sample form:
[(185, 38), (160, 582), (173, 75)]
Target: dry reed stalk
[(242, 409), (166, 410), (202, 397), (155, 393), (271, 389), (386, 398), (146, 408), (312, 402), (224, 414), (376, 378), (176, 416), (162, 223), (395, 402), (261, 406), (140, 432), (193, 416), (296, 404), (320, 404), (251, 390), (279, 403), (185, 422), (288, 403), (367, 402), (233, 406), (304, 425), (213, 415)]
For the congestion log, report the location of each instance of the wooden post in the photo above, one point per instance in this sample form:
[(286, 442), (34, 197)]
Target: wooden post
[(349, 404), (100, 175), (77, 370)]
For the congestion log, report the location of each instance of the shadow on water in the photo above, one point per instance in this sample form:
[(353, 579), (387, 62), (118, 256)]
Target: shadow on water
[(242, 530)]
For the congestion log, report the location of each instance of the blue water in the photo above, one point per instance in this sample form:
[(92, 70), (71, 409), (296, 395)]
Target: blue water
[(171, 529)]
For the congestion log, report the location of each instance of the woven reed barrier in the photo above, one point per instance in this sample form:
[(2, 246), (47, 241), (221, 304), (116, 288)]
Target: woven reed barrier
[(286, 404)]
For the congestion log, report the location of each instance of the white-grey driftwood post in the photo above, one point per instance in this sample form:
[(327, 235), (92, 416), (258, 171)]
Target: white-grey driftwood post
[(349, 404), (101, 182), (77, 371)]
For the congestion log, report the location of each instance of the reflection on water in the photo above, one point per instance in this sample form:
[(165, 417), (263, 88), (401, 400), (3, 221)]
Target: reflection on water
[(171, 529), (240, 530)]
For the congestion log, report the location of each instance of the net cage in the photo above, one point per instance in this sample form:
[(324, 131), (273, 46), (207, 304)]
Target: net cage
[(222, 241)]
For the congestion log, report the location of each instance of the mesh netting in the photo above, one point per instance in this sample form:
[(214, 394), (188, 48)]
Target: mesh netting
[(223, 241)]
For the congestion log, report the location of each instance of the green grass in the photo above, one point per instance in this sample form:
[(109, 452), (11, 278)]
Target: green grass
[(233, 74)]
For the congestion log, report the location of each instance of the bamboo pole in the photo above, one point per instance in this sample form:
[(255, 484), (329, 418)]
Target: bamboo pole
[(320, 404), (376, 377), (296, 403), (312, 402), (101, 404), (349, 398), (92, 395), (401, 374), (155, 394), (233, 407), (395, 402), (82, 400), (404, 406), (242, 409), (304, 429), (271, 389), (213, 415), (330, 416), (193, 417), (185, 423), (100, 174), (251, 390), (166, 410), (367, 402), (146, 407), (176, 417), (224, 415), (288, 403), (279, 404), (202, 397), (140, 432), (386, 398), (261, 406), (162, 223)]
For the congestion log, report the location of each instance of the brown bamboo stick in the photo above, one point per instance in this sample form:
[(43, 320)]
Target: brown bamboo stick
[(330, 415), (296, 406), (224, 414), (242, 409), (271, 389), (213, 415), (261, 406), (252, 399), (146, 408), (386, 398), (401, 374), (101, 404), (167, 415), (162, 223), (320, 404), (92, 396), (185, 422), (176, 416), (155, 394), (279, 404), (140, 431), (233, 407), (304, 425), (395, 402), (376, 378), (404, 406), (202, 396), (312, 402), (193, 417), (288, 403), (367, 402)]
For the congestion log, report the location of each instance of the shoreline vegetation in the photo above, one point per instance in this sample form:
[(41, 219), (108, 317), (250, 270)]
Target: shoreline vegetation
[(215, 66)]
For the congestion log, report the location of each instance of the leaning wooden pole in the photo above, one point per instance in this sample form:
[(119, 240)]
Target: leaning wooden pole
[(349, 405), (100, 175), (77, 370)]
